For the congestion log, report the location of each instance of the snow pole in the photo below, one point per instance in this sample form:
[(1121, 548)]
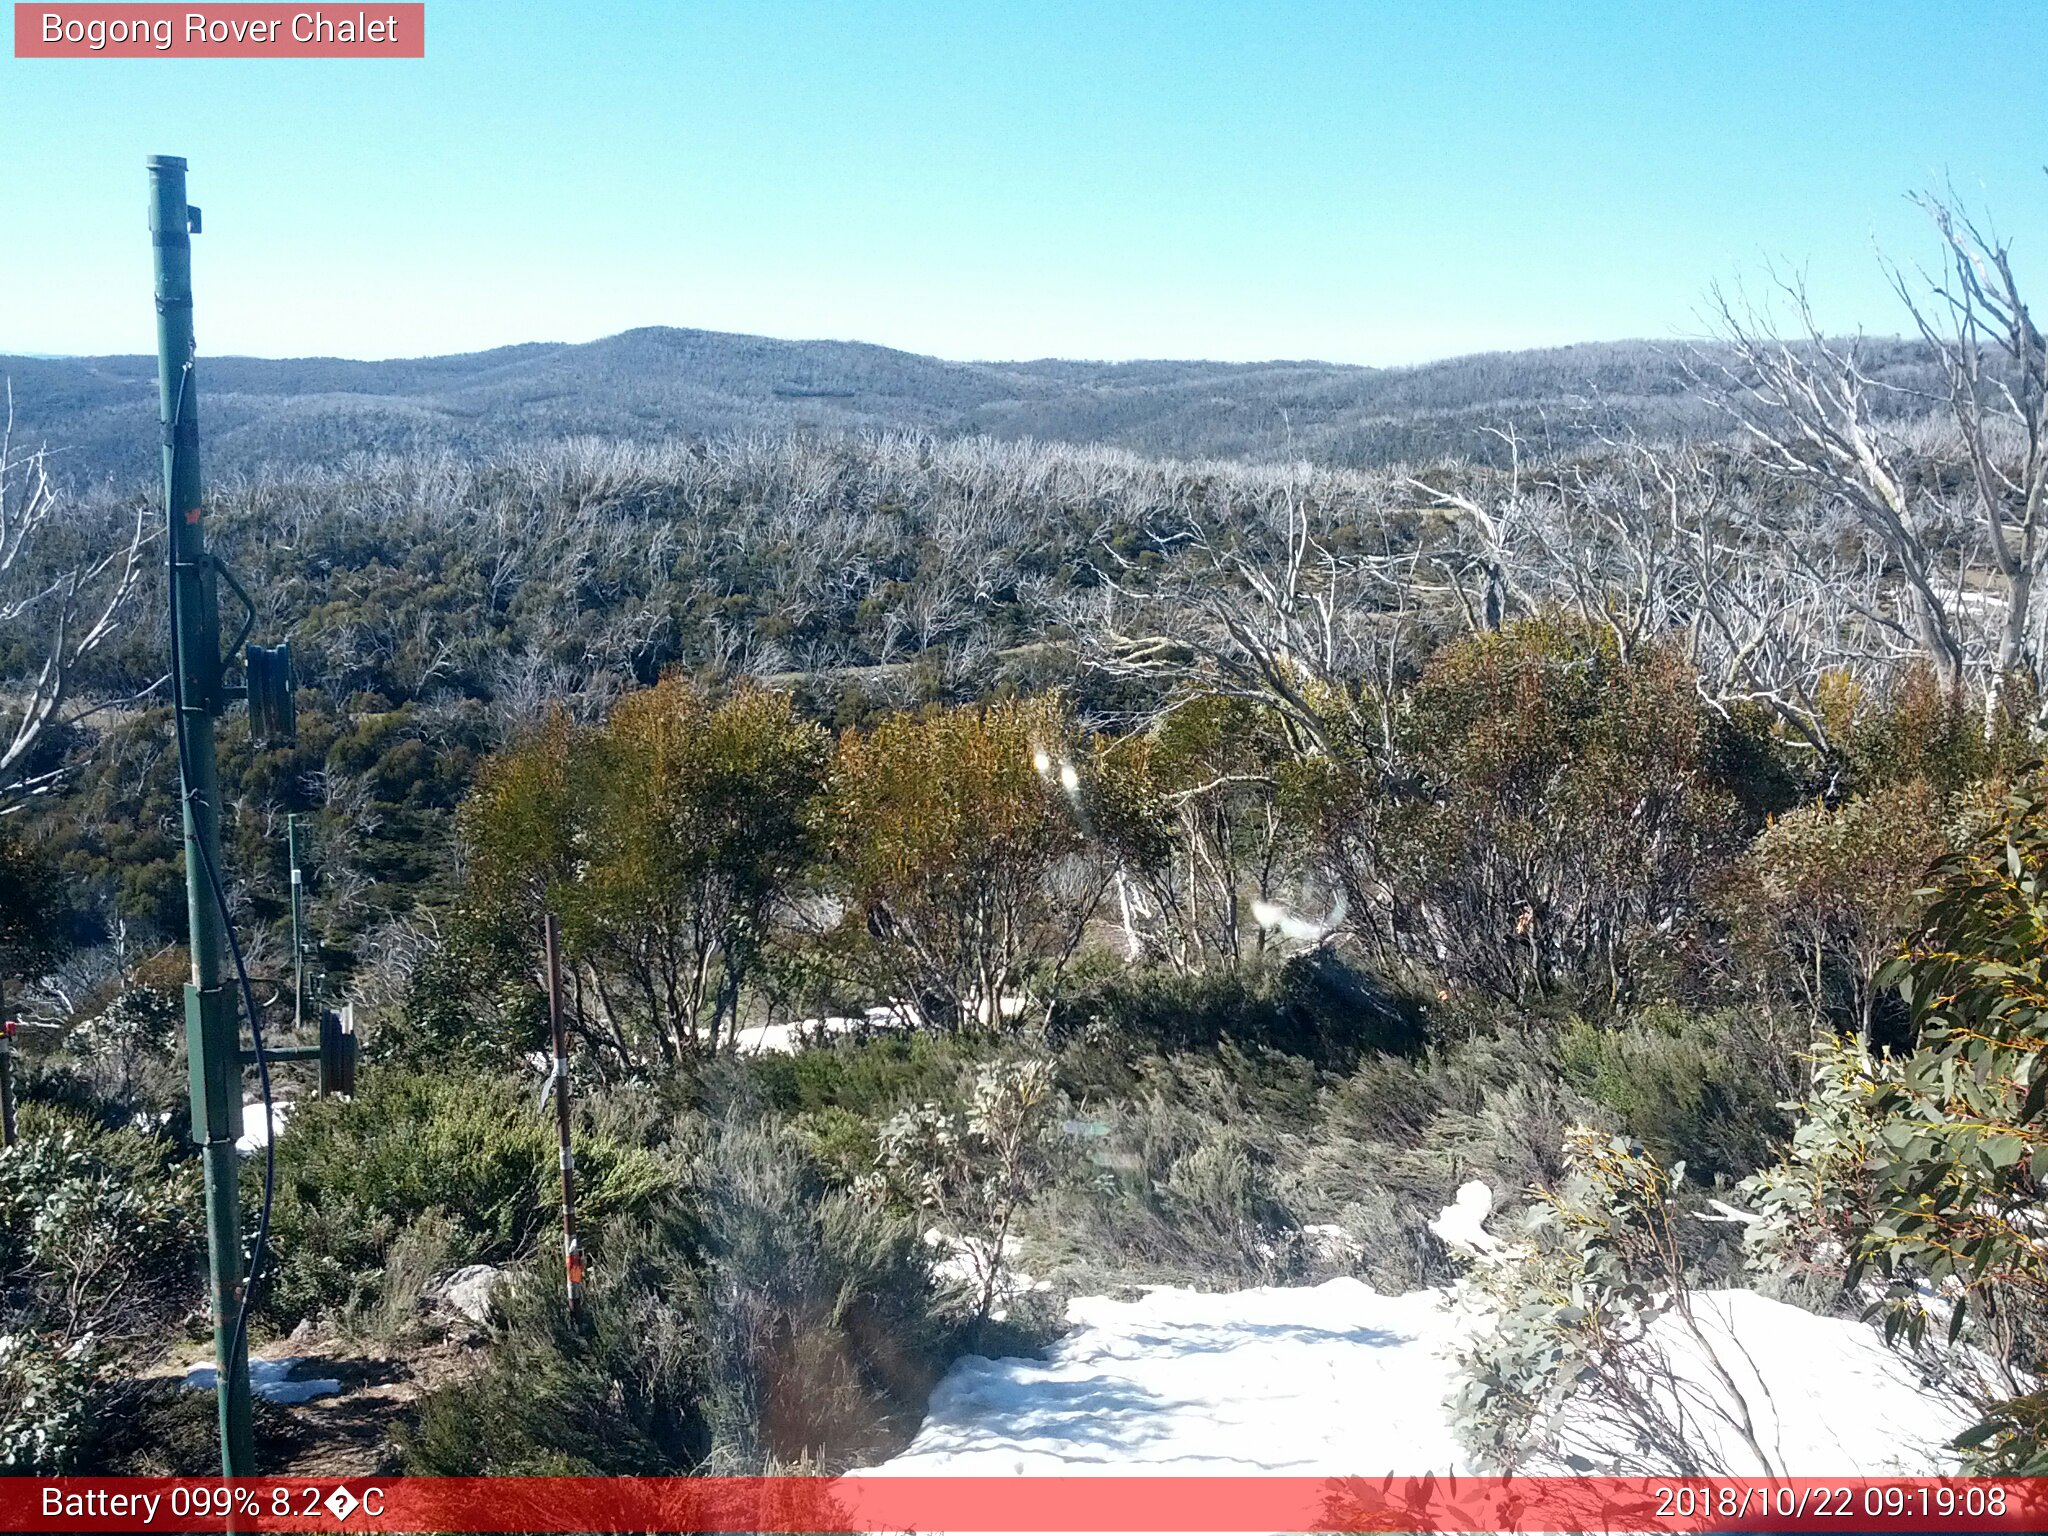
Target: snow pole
[(558, 1028), (212, 1036), (291, 844), (7, 1081)]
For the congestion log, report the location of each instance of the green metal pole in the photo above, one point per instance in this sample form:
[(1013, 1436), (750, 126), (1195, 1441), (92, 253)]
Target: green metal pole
[(212, 1043)]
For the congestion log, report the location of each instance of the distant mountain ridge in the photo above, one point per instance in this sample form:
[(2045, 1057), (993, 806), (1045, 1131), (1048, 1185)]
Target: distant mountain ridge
[(98, 414)]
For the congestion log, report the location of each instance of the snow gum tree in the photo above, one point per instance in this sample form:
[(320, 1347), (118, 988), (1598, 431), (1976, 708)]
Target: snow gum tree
[(1198, 812), (974, 1170), (1554, 803), (955, 839), (667, 838), (1575, 1364), (66, 591), (1919, 1177)]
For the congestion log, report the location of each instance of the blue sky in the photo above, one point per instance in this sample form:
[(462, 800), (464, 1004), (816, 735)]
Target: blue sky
[(1366, 182)]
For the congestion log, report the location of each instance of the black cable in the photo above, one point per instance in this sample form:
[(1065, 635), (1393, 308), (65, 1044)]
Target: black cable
[(259, 1251)]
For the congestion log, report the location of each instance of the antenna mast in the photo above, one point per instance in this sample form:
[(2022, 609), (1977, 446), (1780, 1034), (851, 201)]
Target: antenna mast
[(212, 1036)]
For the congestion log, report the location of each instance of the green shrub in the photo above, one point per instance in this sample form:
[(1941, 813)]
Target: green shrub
[(844, 1145), (98, 1229), (1490, 1107), (35, 907), (43, 1392), (2011, 1440), (424, 1249), (823, 1338), (1568, 1307), (871, 1078), (470, 1006), (1919, 1173), (1184, 1184), (1827, 894), (1385, 1098), (1314, 1006), (1920, 730), (760, 1318), (353, 1174), (1196, 809), (1398, 1136), (617, 1395), (98, 1251), (124, 1058), (1702, 1089), (975, 1169)]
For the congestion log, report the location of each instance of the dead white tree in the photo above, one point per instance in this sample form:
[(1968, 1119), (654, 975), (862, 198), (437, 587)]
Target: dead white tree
[(1770, 596), (1261, 606), (1995, 362), (76, 598), (1479, 557), (1810, 408), (1958, 506)]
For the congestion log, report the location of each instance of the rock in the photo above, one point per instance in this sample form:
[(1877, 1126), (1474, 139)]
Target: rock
[(469, 1292), (304, 1331), (1328, 1243)]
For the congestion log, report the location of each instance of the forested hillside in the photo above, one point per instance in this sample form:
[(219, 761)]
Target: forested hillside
[(656, 385)]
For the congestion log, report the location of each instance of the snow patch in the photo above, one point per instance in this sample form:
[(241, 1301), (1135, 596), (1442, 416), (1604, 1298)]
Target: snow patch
[(256, 1133), (791, 1037), (270, 1379), (1825, 1396), (795, 1035), (1302, 1380), (1336, 1379), (1461, 1224)]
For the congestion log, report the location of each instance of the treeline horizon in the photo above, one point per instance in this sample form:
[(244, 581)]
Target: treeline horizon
[(657, 384)]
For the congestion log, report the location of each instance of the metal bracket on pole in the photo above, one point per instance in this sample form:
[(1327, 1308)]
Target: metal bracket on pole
[(214, 1061), (226, 574), (338, 1052)]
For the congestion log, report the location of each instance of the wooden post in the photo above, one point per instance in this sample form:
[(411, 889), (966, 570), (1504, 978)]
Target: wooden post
[(572, 1252)]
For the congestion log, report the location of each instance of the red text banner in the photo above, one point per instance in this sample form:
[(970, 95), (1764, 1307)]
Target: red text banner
[(1042, 1504), (242, 31)]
